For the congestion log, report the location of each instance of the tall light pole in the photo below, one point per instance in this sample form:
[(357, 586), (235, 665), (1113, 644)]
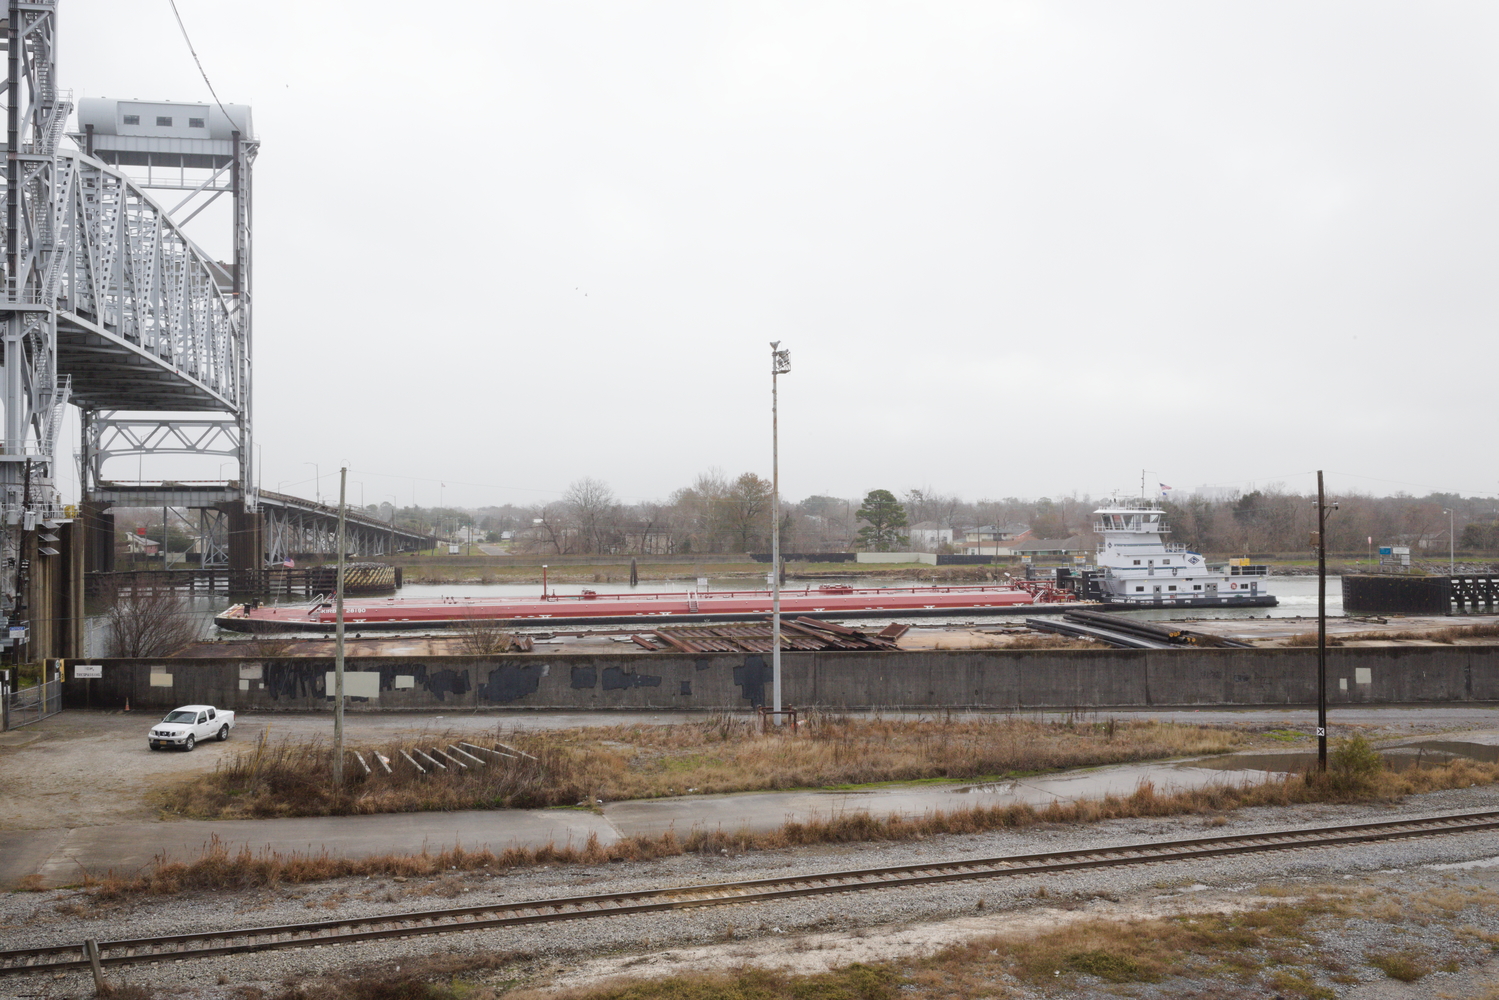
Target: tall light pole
[(318, 488), (780, 364), (1320, 540), (1451, 545), (338, 616)]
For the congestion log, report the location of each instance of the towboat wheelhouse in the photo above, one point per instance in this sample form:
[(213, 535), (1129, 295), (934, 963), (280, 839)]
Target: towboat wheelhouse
[(1137, 566)]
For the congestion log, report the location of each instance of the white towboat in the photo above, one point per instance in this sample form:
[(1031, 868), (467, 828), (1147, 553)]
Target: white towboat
[(1138, 567)]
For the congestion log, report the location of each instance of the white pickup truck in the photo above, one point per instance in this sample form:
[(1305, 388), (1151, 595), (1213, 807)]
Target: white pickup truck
[(190, 725)]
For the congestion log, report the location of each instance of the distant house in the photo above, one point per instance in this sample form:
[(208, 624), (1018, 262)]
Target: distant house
[(140, 545), (929, 536), (991, 539)]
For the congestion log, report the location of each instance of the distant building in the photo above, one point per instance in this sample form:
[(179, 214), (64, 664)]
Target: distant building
[(990, 539), (929, 536)]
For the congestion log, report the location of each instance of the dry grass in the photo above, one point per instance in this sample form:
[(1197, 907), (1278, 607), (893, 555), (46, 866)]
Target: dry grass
[(1049, 640), (724, 754), (1407, 965), (1310, 639), (1268, 951), (218, 869), (414, 979), (1452, 634)]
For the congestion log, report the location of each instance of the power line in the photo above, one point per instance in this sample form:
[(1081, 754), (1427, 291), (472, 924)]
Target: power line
[(201, 70)]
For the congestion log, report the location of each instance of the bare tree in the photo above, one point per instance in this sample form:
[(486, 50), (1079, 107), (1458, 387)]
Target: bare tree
[(149, 622), (484, 637), (550, 530), (747, 510), (592, 504)]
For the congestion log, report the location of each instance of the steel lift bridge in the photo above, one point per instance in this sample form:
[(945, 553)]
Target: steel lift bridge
[(108, 305)]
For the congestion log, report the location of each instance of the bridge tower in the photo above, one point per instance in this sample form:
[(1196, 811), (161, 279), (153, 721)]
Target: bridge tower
[(108, 305), (197, 153)]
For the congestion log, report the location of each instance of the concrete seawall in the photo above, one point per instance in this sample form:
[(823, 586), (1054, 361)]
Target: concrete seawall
[(1020, 680)]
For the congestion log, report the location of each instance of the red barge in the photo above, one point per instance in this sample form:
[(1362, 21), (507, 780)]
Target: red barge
[(590, 608)]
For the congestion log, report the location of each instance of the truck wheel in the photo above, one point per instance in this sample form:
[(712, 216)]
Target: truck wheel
[(223, 732), (188, 746)]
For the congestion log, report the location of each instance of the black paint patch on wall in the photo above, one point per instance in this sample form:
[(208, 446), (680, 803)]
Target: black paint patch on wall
[(616, 679), (752, 678), (294, 679), (511, 682), (585, 678), (686, 687), (445, 682), (701, 663)]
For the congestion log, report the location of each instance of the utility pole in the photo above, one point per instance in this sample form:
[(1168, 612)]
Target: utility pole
[(338, 626), (1451, 543), (1321, 541), (780, 364)]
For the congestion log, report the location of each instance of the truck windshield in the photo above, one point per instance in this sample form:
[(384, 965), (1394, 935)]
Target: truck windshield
[(181, 717)]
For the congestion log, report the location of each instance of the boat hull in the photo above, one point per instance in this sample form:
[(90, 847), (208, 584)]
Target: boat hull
[(261, 627), (1257, 601), (644, 609)]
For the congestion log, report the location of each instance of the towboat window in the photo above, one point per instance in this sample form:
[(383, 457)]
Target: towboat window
[(1139, 590), (1137, 562), (1165, 562), (132, 119), (1172, 587), (1196, 586), (163, 121)]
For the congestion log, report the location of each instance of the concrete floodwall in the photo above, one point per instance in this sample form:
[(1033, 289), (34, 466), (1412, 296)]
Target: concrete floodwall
[(1022, 680), (930, 558)]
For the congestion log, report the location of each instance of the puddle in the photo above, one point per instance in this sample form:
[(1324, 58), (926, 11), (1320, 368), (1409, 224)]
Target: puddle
[(1486, 752), (1426, 753)]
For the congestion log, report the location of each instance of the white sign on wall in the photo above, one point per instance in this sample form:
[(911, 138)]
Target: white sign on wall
[(83, 671)]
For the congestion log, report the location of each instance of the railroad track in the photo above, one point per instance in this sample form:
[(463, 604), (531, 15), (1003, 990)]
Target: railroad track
[(206, 944)]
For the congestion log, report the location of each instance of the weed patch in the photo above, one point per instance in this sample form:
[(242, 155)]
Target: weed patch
[(726, 753), (218, 868), (1406, 966)]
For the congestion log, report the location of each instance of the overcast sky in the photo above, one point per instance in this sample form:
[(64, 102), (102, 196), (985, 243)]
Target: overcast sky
[(1015, 249)]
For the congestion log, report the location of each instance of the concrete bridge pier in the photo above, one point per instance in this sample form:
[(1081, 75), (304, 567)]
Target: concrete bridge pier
[(246, 537), (98, 523), (54, 592)]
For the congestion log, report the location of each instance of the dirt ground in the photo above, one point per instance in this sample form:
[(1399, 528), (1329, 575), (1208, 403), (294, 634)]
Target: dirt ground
[(84, 768)]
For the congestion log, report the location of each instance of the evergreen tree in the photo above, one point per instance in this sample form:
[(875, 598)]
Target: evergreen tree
[(883, 517)]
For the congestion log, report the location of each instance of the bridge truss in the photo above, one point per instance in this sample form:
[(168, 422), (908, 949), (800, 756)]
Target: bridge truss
[(107, 303)]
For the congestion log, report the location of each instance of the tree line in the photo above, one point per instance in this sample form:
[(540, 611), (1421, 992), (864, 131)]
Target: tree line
[(722, 513)]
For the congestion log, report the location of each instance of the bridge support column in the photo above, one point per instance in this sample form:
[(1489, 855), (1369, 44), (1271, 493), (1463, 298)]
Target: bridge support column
[(54, 593), (98, 525), (246, 537)]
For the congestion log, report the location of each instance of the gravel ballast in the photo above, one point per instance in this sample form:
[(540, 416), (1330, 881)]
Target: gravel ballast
[(68, 916)]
